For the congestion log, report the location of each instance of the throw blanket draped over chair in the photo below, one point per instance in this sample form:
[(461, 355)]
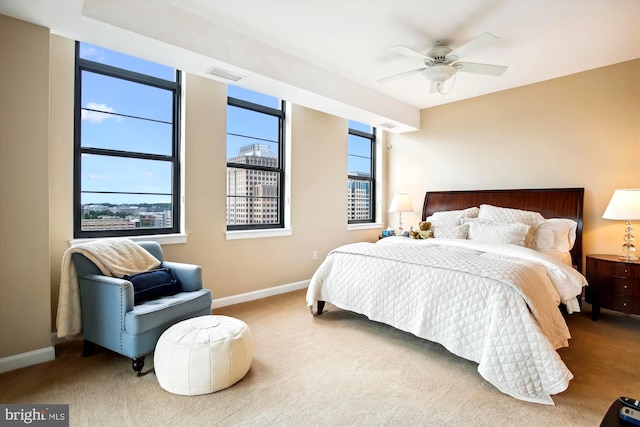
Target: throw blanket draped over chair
[(114, 257)]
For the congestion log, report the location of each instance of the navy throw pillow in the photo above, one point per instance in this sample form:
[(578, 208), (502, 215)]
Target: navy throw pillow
[(153, 284)]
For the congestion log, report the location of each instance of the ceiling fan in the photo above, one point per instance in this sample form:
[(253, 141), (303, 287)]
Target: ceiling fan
[(441, 63)]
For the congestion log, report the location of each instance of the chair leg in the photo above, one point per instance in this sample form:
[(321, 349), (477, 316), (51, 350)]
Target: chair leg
[(88, 348), (138, 364)]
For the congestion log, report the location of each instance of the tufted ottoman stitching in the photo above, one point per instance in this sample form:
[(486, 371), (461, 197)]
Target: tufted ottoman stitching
[(203, 355)]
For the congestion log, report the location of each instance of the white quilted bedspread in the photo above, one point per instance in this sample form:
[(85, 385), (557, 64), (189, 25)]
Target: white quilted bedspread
[(498, 311)]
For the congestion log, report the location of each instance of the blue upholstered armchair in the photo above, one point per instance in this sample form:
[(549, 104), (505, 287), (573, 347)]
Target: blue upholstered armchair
[(111, 320)]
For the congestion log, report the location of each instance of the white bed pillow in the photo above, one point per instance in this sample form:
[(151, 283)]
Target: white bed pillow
[(498, 233), (509, 215), (498, 214), (452, 218), (453, 232), (558, 234)]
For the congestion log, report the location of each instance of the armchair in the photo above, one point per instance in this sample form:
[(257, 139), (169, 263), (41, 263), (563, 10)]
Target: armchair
[(111, 320)]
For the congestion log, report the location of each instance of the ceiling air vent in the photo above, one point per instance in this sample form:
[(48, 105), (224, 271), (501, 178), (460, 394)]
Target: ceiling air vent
[(224, 74), (387, 125)]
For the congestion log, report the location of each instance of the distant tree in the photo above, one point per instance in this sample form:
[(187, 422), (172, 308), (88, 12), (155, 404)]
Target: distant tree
[(103, 213)]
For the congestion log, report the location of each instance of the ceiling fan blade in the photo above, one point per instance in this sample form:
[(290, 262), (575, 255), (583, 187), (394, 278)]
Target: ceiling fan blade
[(403, 50), (396, 76), (487, 69), (482, 41)]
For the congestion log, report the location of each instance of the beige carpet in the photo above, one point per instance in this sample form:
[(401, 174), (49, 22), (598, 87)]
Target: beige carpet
[(339, 369)]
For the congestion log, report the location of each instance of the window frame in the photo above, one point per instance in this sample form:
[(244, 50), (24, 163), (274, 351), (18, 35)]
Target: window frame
[(371, 179), (82, 65), (280, 169)]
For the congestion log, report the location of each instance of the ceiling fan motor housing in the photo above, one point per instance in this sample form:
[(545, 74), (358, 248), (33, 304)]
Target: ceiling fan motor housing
[(439, 54)]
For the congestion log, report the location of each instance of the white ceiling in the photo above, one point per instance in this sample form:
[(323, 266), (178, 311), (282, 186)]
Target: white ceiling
[(330, 54)]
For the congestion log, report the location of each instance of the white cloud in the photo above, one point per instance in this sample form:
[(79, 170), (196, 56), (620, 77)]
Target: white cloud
[(96, 116), (90, 52)]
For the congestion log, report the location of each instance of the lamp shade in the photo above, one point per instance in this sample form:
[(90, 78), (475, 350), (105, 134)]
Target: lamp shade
[(401, 203), (624, 205)]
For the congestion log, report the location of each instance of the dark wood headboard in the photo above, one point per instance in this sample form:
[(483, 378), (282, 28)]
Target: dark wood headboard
[(550, 202)]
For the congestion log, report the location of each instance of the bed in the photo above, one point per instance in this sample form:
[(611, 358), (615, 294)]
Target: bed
[(491, 287)]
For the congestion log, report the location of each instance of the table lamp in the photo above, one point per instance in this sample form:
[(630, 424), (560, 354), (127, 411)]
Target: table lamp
[(401, 203), (625, 206)]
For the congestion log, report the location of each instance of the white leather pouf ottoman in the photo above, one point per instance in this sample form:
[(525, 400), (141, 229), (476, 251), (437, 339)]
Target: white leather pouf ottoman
[(203, 355)]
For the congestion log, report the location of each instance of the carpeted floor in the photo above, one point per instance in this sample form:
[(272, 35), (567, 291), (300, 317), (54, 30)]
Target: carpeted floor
[(338, 369)]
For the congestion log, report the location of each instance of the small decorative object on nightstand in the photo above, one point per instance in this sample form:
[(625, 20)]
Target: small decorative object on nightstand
[(388, 232), (613, 284)]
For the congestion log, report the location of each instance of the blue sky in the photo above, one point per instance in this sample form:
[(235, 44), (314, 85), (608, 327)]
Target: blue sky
[(133, 117)]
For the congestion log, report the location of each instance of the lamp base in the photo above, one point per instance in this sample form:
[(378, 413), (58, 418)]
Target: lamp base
[(629, 248), (631, 258)]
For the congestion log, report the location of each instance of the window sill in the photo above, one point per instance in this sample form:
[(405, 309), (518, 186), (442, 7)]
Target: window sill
[(256, 234), (366, 226), (163, 239)]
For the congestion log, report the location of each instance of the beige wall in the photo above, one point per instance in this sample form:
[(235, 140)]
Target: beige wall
[(60, 159), (577, 131), (25, 286)]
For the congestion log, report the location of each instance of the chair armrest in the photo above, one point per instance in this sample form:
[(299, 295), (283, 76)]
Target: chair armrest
[(189, 275), (99, 292), (105, 302)]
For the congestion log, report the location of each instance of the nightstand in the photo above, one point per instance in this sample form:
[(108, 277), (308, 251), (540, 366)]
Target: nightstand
[(613, 284)]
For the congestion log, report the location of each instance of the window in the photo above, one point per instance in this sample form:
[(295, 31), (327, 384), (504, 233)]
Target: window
[(361, 175), (255, 160), (126, 156)]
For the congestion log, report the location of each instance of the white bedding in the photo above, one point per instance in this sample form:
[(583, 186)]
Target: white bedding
[(492, 304)]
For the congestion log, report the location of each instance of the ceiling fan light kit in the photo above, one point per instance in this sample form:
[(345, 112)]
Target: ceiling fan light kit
[(439, 73), (441, 63)]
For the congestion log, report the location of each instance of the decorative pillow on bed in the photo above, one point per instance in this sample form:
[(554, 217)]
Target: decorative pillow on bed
[(453, 232), (498, 214), (497, 233), (451, 218), (509, 215), (153, 284), (558, 234)]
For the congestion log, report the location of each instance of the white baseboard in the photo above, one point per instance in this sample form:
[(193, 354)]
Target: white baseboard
[(262, 293), (29, 358)]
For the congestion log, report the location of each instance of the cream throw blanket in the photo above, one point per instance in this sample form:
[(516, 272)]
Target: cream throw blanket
[(114, 257)]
